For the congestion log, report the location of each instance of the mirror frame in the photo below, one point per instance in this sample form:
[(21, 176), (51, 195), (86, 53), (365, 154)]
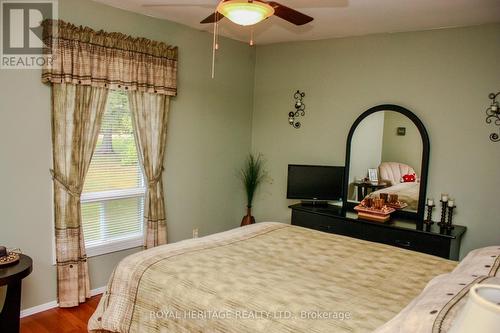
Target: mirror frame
[(419, 215)]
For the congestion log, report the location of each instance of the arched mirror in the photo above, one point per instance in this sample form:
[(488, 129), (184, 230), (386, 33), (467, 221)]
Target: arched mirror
[(387, 157)]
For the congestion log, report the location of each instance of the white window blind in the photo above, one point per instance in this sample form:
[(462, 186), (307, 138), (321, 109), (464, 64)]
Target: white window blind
[(113, 193)]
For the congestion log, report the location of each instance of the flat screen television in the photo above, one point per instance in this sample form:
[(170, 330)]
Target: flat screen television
[(314, 182)]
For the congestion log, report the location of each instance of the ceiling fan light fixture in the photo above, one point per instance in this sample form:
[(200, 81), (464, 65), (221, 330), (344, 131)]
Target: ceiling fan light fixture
[(245, 13)]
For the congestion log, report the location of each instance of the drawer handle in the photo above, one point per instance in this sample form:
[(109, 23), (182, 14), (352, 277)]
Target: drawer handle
[(327, 227), (403, 243)]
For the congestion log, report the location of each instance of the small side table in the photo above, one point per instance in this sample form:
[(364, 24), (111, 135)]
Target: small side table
[(11, 276), (364, 186)]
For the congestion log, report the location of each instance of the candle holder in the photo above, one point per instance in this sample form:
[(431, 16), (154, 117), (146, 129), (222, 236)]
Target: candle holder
[(428, 221), (442, 223), (442, 227), (450, 216), (445, 227), (444, 205)]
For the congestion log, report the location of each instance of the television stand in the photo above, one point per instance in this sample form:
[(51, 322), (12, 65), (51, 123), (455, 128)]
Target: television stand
[(314, 203)]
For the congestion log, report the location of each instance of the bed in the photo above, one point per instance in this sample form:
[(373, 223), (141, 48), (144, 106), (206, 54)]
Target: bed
[(434, 310), (407, 192), (266, 277)]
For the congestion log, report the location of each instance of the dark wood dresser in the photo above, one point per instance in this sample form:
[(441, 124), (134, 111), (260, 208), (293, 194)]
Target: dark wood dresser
[(399, 232)]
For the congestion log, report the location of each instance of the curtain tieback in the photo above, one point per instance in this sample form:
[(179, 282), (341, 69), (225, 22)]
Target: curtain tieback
[(152, 182), (70, 189)]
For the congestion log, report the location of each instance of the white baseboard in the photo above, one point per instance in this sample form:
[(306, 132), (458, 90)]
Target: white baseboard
[(54, 304), (38, 308), (97, 291)]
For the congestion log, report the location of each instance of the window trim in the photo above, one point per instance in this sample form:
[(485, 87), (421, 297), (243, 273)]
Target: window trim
[(124, 242), (112, 195), (118, 244), (99, 248)]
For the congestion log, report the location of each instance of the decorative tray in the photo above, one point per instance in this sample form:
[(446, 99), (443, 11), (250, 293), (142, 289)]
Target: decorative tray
[(397, 205), (372, 211), (375, 218), (10, 258)]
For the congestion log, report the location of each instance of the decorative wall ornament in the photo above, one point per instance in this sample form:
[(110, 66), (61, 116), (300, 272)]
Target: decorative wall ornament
[(300, 108), (493, 115)]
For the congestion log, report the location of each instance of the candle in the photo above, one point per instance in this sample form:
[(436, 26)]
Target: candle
[(444, 197), (430, 202), (451, 203)]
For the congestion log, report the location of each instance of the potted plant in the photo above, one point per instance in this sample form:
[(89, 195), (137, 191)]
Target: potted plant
[(252, 175)]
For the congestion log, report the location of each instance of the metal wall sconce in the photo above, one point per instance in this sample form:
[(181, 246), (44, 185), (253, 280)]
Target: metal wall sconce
[(493, 115), (300, 108)]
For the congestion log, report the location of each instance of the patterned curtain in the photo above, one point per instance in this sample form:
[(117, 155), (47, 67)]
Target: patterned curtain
[(82, 64), (80, 55), (77, 112), (149, 114)]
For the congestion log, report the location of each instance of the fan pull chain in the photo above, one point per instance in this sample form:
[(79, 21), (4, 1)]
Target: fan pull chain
[(251, 37), (217, 35), (215, 44)]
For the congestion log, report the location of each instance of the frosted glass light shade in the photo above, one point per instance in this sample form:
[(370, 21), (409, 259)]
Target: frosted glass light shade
[(481, 313), (243, 12)]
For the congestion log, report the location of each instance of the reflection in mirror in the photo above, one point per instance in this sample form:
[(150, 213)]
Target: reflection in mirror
[(386, 157)]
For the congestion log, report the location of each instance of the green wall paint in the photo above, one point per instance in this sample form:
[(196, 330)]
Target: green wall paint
[(366, 149), (407, 149), (444, 76), (209, 136)]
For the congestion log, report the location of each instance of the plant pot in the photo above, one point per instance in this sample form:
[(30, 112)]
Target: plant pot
[(248, 219)]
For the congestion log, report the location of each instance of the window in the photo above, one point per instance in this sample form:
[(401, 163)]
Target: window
[(113, 193)]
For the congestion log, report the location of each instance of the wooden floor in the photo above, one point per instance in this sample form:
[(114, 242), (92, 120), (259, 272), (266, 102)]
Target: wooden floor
[(70, 320)]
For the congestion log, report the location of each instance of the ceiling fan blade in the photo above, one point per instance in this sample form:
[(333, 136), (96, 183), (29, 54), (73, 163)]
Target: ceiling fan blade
[(214, 17), (289, 14)]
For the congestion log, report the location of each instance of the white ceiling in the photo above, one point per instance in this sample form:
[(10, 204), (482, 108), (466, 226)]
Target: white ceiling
[(332, 18)]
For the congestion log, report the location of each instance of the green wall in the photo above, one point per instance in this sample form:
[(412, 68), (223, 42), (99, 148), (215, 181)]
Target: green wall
[(209, 136), (444, 76), (366, 149), (405, 149)]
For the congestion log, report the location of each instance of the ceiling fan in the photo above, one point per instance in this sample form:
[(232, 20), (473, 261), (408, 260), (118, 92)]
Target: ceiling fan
[(243, 12), (250, 12)]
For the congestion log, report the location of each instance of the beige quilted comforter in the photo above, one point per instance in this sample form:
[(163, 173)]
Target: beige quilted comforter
[(267, 277)]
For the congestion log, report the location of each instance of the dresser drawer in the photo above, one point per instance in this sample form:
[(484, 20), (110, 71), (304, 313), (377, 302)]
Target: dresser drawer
[(407, 239), (418, 242), (323, 223)]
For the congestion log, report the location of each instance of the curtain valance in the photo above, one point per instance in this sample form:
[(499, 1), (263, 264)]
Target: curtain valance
[(83, 56)]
